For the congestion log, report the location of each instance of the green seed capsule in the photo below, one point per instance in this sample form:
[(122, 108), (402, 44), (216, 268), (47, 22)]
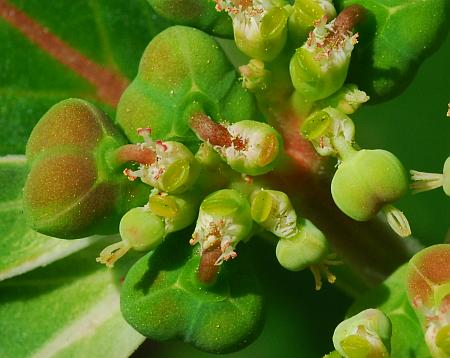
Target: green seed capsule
[(365, 335), (308, 247), (367, 181), (141, 229)]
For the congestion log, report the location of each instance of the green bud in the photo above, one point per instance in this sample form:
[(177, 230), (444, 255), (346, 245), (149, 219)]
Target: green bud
[(365, 335), (366, 181), (174, 170), (255, 149), (260, 27), (347, 100), (224, 218), (319, 68), (72, 191), (196, 13), (428, 181), (305, 13), (428, 288), (273, 211), (330, 131)]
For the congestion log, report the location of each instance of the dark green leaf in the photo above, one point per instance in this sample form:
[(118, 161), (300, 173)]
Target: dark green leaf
[(395, 38)]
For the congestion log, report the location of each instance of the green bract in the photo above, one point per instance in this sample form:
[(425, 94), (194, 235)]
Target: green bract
[(163, 299), (365, 335), (367, 181), (182, 72), (73, 190), (196, 13)]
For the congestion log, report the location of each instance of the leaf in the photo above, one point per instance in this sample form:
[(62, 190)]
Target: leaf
[(69, 309), (391, 298), (163, 299), (52, 50), (395, 38), (22, 249)]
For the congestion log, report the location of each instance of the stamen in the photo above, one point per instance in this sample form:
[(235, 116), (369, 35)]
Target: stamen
[(112, 253)]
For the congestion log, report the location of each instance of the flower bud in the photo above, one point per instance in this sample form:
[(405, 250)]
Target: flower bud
[(174, 169), (260, 27), (330, 131), (305, 13), (248, 147), (319, 68), (273, 211), (365, 335), (224, 218)]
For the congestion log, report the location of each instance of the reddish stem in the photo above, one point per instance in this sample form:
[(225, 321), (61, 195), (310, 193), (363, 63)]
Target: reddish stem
[(207, 270)]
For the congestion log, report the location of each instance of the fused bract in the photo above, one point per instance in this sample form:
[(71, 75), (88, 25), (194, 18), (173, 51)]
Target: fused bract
[(182, 72), (73, 189), (163, 299)]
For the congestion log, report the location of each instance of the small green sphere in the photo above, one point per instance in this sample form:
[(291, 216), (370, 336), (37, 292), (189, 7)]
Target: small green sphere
[(141, 229), (367, 181), (307, 248)]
